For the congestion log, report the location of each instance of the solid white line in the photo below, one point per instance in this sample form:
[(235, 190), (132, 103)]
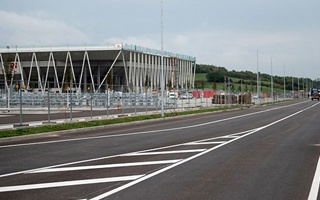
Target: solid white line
[(63, 169), (164, 152), (104, 195), (313, 194), (154, 131), (68, 183)]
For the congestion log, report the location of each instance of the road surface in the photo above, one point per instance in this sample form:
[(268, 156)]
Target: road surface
[(265, 152)]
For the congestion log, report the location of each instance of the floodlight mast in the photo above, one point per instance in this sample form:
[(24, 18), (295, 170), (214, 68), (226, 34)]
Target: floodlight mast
[(162, 79)]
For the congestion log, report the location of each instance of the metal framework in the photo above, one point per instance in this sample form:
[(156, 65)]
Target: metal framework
[(79, 67)]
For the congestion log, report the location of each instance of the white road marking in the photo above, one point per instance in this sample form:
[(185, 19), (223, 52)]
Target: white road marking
[(68, 183), (203, 143), (313, 194), (164, 152), (145, 177), (63, 169), (153, 131), (102, 196), (229, 136)]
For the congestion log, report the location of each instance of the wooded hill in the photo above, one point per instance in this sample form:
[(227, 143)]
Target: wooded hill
[(216, 74)]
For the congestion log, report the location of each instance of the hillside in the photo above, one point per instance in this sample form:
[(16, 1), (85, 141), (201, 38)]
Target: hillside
[(213, 77)]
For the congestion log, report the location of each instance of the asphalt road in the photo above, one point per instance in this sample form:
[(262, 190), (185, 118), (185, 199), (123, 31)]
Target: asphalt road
[(265, 152)]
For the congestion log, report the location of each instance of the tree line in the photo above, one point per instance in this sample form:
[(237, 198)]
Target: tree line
[(217, 74)]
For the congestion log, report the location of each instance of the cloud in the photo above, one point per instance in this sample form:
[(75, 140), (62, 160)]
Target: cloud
[(238, 50), (25, 30)]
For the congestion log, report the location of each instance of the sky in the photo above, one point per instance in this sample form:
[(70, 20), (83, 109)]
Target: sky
[(281, 37)]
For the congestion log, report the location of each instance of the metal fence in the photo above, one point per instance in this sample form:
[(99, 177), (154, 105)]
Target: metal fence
[(116, 99)]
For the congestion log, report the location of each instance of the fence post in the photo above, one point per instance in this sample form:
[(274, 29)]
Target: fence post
[(48, 102), (9, 96), (146, 102), (135, 104), (20, 95), (122, 101), (91, 98), (70, 90), (107, 100)]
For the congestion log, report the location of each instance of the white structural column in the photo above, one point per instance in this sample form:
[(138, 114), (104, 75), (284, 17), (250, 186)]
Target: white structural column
[(134, 70), (152, 72), (188, 74), (86, 58), (4, 72), (90, 70), (19, 67), (68, 58), (34, 60), (155, 71), (138, 65), (168, 68), (144, 68), (130, 69), (139, 75), (52, 60), (159, 72), (183, 74)]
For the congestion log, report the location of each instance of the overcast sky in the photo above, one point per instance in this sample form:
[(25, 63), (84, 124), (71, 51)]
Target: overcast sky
[(226, 33)]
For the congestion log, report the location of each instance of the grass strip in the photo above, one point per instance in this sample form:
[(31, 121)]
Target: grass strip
[(76, 125)]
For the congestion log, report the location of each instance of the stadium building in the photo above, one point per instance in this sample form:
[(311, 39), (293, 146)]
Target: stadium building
[(80, 68)]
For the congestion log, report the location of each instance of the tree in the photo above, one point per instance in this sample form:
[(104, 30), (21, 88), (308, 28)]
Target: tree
[(147, 82), (169, 85), (214, 87), (8, 69), (202, 84), (215, 77)]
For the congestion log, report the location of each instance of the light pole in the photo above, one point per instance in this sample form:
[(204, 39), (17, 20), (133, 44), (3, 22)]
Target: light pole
[(292, 85), (271, 82), (162, 81), (284, 81), (258, 94)]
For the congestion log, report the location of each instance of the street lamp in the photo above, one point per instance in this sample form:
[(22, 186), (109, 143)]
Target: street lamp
[(162, 79)]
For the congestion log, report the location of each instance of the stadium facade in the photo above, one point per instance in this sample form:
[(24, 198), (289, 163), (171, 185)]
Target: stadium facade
[(96, 68)]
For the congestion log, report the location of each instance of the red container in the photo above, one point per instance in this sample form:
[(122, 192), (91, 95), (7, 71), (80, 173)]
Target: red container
[(208, 93), (196, 94)]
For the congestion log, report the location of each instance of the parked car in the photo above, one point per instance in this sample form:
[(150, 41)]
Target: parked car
[(173, 95), (186, 95)]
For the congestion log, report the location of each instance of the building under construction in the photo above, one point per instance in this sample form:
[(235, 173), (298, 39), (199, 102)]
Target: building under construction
[(97, 68)]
